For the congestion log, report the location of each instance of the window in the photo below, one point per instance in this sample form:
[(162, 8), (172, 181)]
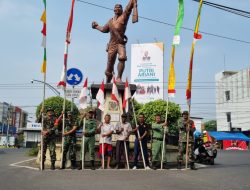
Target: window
[(228, 116), (227, 93)]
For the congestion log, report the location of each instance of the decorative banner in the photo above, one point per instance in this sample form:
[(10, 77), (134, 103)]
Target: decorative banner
[(147, 71), (234, 145), (176, 41), (171, 76), (197, 36), (44, 32)]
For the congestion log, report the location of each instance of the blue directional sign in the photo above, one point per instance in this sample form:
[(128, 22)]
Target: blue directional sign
[(74, 76)]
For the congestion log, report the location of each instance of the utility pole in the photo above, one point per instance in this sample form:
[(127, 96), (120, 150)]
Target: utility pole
[(8, 121)]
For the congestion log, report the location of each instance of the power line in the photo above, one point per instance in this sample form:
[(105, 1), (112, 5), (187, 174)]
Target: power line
[(169, 24), (227, 9)]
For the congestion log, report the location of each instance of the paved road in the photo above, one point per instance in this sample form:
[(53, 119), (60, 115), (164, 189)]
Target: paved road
[(231, 172)]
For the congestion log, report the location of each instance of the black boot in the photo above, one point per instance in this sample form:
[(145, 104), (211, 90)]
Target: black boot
[(92, 165), (42, 166), (154, 167), (166, 166), (52, 167), (192, 166), (179, 165), (80, 166), (73, 165), (63, 165)]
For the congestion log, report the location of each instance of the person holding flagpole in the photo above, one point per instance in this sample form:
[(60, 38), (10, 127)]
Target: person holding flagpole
[(185, 126), (123, 131), (49, 127), (158, 130), (89, 140), (141, 133), (106, 130)]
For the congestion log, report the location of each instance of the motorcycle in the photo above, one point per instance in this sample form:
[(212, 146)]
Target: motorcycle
[(205, 153)]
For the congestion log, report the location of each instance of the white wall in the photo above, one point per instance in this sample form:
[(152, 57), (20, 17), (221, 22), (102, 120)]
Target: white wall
[(238, 83)]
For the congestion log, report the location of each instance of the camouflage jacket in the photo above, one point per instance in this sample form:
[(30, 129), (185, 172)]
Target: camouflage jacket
[(182, 126)]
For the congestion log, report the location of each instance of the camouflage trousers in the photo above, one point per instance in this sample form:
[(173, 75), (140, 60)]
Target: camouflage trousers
[(89, 146), (182, 151), (69, 146), (157, 147), (51, 143)]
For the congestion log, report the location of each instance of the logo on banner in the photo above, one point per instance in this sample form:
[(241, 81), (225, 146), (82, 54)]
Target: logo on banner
[(146, 56)]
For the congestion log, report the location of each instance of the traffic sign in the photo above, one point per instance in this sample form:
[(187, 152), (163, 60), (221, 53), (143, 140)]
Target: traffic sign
[(74, 76), (73, 93)]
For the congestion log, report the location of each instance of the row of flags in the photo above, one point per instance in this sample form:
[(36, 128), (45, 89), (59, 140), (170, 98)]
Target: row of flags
[(100, 96), (127, 94)]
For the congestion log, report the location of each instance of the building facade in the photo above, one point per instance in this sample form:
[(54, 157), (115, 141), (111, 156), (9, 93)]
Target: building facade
[(233, 100), (12, 118)]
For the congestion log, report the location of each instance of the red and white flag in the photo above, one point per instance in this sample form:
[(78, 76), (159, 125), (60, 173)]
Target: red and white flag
[(62, 83), (100, 97), (115, 94), (126, 96), (83, 96)]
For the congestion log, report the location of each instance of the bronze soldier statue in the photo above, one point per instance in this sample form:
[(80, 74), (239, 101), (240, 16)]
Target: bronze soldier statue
[(116, 26)]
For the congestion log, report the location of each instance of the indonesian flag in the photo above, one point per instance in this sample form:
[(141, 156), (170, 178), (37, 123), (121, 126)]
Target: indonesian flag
[(83, 96), (115, 94), (62, 83), (126, 96), (100, 97)]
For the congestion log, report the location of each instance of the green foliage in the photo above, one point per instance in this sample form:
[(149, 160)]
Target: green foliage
[(211, 125), (33, 151), (20, 139), (56, 103), (159, 107)]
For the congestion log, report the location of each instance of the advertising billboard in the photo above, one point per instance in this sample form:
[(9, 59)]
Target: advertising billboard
[(147, 71)]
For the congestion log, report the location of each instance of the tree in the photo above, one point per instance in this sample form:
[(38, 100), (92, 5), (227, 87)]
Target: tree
[(56, 103), (211, 125), (159, 107)]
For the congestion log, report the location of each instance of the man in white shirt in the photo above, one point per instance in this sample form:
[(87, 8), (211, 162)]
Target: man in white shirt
[(105, 147), (123, 131)]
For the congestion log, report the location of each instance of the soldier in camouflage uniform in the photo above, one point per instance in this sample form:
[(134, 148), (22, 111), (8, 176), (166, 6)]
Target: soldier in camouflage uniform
[(89, 140), (49, 137), (69, 140), (184, 127), (157, 145)]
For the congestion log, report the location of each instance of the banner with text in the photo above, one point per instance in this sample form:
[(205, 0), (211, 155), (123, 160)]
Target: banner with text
[(147, 71)]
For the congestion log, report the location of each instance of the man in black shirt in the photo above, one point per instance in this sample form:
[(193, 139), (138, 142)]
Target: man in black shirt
[(143, 137)]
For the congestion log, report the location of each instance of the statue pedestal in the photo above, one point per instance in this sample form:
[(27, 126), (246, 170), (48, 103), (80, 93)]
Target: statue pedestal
[(111, 107)]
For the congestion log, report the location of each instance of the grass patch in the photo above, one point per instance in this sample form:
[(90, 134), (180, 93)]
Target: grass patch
[(33, 151)]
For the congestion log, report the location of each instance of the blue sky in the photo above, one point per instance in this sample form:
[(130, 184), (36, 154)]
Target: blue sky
[(21, 52)]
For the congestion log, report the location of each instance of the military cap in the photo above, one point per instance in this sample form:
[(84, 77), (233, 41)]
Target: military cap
[(49, 109), (185, 113), (124, 115)]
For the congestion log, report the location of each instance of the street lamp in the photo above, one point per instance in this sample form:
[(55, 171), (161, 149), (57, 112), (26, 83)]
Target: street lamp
[(47, 84)]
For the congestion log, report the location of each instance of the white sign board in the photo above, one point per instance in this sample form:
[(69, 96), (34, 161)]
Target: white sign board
[(73, 93), (34, 126), (147, 71)]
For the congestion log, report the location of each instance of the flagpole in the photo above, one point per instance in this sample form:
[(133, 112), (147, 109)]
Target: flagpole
[(41, 142), (143, 158), (83, 143), (188, 129), (164, 136), (63, 127)]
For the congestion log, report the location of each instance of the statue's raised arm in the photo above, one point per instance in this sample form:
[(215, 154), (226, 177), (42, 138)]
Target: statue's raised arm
[(117, 26), (132, 5)]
